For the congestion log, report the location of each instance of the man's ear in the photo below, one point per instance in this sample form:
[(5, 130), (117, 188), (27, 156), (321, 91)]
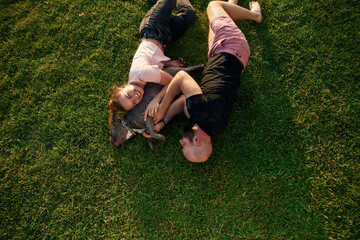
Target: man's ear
[(196, 140)]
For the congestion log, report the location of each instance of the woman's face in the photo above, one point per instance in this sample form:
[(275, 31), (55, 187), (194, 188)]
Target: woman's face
[(129, 96)]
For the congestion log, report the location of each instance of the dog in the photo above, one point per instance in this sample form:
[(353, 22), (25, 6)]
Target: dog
[(133, 122)]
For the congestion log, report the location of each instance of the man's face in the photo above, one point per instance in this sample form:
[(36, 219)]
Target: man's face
[(129, 96)]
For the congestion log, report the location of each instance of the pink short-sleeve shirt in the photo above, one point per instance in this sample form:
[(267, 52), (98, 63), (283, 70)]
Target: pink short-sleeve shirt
[(146, 64)]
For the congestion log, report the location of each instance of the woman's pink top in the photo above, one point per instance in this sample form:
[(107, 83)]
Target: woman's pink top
[(146, 64)]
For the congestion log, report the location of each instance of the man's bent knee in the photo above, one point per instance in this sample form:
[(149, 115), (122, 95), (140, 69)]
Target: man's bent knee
[(215, 9), (213, 4), (216, 4)]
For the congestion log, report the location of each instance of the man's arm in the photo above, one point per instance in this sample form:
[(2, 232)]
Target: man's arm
[(176, 107), (181, 83), (153, 105)]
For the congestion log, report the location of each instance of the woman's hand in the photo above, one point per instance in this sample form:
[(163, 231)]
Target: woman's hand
[(177, 63), (157, 128)]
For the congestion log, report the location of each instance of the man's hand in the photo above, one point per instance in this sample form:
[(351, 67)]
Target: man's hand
[(151, 109), (159, 115)]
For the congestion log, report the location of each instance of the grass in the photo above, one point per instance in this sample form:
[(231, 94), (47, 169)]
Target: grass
[(286, 168)]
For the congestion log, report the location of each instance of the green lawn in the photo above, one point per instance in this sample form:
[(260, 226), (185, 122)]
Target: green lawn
[(286, 168)]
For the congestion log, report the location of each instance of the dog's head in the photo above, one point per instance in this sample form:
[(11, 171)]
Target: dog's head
[(119, 132)]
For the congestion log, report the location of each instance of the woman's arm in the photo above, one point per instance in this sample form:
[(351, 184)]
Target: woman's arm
[(165, 78)]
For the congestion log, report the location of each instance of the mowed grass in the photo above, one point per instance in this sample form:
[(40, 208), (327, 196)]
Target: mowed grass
[(286, 168)]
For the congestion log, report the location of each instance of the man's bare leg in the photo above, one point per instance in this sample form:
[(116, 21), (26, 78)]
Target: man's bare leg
[(216, 9)]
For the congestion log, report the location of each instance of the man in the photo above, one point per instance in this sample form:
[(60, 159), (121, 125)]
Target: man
[(208, 106)]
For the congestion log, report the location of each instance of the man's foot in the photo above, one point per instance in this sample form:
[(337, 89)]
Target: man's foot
[(255, 7)]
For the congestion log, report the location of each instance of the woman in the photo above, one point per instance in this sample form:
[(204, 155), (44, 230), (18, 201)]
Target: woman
[(158, 30)]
